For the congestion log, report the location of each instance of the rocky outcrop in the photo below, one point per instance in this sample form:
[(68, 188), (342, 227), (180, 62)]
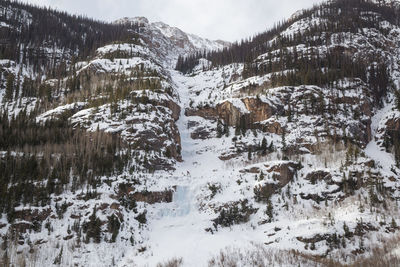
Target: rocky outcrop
[(257, 111), (209, 113), (269, 126), (314, 239), (283, 171), (175, 108), (31, 215), (156, 138), (263, 192), (229, 113), (390, 130), (201, 133), (128, 191), (315, 197), (361, 132), (319, 175), (153, 197), (22, 227), (159, 98), (393, 124), (29, 219)]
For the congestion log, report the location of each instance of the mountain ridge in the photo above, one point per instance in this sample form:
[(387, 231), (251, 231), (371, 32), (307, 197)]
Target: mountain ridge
[(186, 43)]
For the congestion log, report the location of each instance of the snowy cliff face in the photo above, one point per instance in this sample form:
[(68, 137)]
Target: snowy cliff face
[(227, 163)]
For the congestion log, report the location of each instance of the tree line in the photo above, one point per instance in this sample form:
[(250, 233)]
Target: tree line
[(48, 40), (39, 160)]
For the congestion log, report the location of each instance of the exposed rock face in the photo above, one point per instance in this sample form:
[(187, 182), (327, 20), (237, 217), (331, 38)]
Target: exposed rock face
[(251, 170), (156, 138), (315, 176), (259, 110), (201, 133), (392, 127), (284, 171), (359, 230), (153, 197), (264, 192), (127, 190), (231, 115), (315, 239), (22, 227), (393, 124), (31, 215), (175, 108), (209, 113), (315, 197), (29, 219), (270, 126), (308, 109), (389, 130), (147, 122), (166, 101), (361, 131)]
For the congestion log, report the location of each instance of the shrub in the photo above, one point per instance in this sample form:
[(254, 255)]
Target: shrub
[(176, 262), (237, 213)]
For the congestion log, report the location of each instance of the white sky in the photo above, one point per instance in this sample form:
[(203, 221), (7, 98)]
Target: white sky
[(214, 19)]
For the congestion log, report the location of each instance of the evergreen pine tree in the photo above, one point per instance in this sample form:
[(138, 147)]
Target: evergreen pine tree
[(10, 86), (397, 94), (264, 146)]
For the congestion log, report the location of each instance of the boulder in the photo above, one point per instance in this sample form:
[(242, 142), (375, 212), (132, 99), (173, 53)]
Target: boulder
[(284, 171)]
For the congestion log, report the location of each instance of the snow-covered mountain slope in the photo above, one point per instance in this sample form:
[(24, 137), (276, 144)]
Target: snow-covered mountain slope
[(170, 42), (289, 157)]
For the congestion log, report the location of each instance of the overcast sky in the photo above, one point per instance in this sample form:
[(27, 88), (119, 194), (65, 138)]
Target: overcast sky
[(214, 19)]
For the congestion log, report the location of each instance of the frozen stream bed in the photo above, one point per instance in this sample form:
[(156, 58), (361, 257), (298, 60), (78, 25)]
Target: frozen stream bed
[(178, 228)]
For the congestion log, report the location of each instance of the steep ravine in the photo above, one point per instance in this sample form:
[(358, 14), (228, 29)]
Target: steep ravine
[(177, 229)]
